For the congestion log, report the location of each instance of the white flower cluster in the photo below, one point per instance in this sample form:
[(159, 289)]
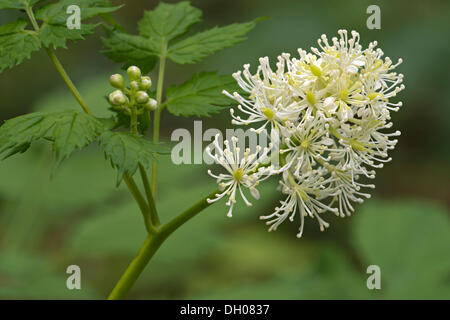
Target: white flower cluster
[(329, 109)]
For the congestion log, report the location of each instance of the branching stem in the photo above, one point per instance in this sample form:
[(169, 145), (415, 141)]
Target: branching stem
[(151, 245), (143, 206), (157, 233), (149, 194)]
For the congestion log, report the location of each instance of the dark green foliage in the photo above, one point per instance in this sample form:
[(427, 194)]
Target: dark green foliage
[(126, 151), (67, 130), (200, 96)]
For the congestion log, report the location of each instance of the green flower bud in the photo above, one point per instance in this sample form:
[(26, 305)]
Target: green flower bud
[(134, 85), (142, 97), (151, 104), (117, 81), (134, 73), (146, 83), (117, 98)]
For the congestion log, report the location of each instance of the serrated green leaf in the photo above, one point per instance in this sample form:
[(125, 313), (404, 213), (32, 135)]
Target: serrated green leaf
[(16, 44), (156, 28), (200, 96), (13, 27), (200, 45), (56, 13), (54, 31), (168, 21), (68, 130), (107, 17), (74, 131), (125, 151), (18, 133), (57, 35), (130, 49), (17, 4)]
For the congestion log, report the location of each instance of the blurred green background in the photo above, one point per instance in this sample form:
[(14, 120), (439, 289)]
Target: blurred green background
[(79, 217)]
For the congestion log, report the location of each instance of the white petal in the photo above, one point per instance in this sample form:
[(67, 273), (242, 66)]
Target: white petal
[(255, 193)]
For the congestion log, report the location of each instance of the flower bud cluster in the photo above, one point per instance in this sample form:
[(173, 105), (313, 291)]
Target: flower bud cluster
[(330, 109), (135, 96)]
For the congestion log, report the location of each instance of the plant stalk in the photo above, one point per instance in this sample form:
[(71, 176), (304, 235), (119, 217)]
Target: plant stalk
[(59, 66), (155, 237), (143, 206), (128, 180), (151, 245), (68, 81), (157, 118), (148, 192)]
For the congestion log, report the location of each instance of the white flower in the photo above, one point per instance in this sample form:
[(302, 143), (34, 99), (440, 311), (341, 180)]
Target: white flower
[(242, 171), (269, 97), (330, 109), (344, 53), (303, 197), (304, 143), (347, 191)]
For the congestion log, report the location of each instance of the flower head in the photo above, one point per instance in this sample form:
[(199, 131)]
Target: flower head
[(242, 171), (331, 108)]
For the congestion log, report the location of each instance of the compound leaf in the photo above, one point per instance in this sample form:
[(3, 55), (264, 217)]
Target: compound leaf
[(57, 35), (74, 131), (125, 151), (17, 4), (199, 96), (67, 130), (54, 31), (200, 45), (130, 49), (16, 44), (156, 28), (168, 21)]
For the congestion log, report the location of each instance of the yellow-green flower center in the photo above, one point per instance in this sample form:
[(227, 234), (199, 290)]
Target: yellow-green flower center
[(315, 70), (305, 144), (303, 194), (344, 95), (268, 113), (311, 98), (238, 174), (372, 96)]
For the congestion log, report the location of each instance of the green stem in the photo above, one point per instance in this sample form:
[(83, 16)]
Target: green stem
[(133, 114), (129, 180), (148, 191), (32, 18), (179, 220), (59, 66), (157, 118), (141, 203), (151, 245), (129, 277), (133, 120), (68, 81)]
